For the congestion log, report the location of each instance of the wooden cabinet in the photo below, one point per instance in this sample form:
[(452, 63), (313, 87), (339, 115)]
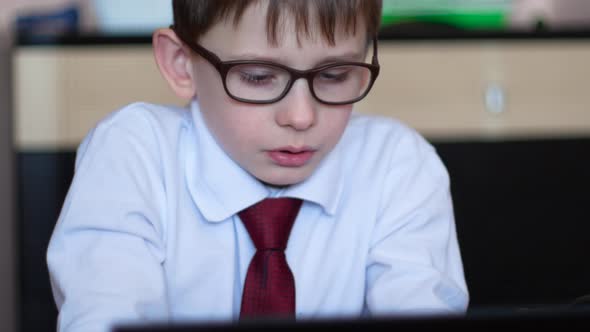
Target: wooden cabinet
[(62, 91), (462, 90), (488, 89)]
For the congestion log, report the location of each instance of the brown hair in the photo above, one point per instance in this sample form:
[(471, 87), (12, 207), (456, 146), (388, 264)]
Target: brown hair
[(193, 18)]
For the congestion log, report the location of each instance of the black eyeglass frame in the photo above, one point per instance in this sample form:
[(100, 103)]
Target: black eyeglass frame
[(223, 67)]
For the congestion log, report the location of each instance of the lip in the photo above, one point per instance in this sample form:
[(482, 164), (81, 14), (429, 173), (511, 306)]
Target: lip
[(290, 156)]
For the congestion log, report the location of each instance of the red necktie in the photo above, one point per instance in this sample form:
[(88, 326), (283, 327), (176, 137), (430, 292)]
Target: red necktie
[(269, 289)]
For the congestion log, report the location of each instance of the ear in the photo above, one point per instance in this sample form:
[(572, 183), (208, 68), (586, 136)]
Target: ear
[(174, 62)]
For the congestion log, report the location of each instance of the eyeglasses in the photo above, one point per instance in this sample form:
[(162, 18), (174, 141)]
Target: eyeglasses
[(265, 82)]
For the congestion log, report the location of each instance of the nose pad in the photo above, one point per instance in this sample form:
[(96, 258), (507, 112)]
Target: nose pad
[(298, 108)]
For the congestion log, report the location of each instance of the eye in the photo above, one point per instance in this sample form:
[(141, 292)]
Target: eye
[(256, 74), (335, 75), (253, 78)]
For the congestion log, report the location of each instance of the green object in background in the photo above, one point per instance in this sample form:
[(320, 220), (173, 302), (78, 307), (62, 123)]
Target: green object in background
[(465, 14)]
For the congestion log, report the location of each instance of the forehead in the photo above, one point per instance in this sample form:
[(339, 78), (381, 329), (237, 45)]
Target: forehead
[(279, 20), (248, 38)]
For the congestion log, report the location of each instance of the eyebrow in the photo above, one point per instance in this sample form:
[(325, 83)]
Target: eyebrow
[(346, 57)]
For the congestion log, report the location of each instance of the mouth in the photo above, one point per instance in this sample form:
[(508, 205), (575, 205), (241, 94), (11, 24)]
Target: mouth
[(291, 156)]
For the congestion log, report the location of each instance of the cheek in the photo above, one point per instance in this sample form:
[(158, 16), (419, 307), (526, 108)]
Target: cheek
[(216, 107), (236, 129), (208, 85), (335, 121), (228, 119), (229, 129)]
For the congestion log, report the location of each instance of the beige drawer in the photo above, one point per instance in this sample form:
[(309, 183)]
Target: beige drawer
[(485, 89), (60, 93), (446, 90)]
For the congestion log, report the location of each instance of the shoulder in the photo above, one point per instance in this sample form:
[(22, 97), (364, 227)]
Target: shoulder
[(138, 116), (385, 136), (385, 149), (396, 161), (138, 125)]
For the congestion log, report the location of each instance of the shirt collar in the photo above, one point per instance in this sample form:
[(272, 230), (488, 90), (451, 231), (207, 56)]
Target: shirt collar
[(221, 188)]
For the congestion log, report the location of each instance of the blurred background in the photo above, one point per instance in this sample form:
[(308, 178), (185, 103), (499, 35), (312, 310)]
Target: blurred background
[(499, 87)]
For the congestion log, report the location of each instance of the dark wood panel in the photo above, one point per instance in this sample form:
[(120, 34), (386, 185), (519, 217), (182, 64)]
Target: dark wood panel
[(43, 180), (522, 218)]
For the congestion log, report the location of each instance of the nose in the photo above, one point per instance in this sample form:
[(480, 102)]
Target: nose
[(298, 108)]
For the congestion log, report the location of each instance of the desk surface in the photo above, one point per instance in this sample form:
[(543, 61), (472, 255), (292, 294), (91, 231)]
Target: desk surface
[(483, 320)]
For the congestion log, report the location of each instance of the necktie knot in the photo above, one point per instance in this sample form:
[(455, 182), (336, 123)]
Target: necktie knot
[(269, 222)]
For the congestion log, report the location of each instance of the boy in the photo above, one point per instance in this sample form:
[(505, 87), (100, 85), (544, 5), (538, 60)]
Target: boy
[(154, 226)]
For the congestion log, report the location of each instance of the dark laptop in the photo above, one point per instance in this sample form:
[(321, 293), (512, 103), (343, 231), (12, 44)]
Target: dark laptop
[(561, 319)]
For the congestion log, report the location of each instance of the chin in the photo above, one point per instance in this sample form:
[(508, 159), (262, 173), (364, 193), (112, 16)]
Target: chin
[(284, 179)]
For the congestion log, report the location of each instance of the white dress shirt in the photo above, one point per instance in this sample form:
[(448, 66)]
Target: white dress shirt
[(149, 232)]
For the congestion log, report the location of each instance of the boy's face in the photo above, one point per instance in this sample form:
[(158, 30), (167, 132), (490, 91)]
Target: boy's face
[(280, 143)]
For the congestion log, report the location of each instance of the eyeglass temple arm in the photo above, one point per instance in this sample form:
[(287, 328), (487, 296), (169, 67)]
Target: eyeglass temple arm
[(375, 59), (212, 57), (197, 48)]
